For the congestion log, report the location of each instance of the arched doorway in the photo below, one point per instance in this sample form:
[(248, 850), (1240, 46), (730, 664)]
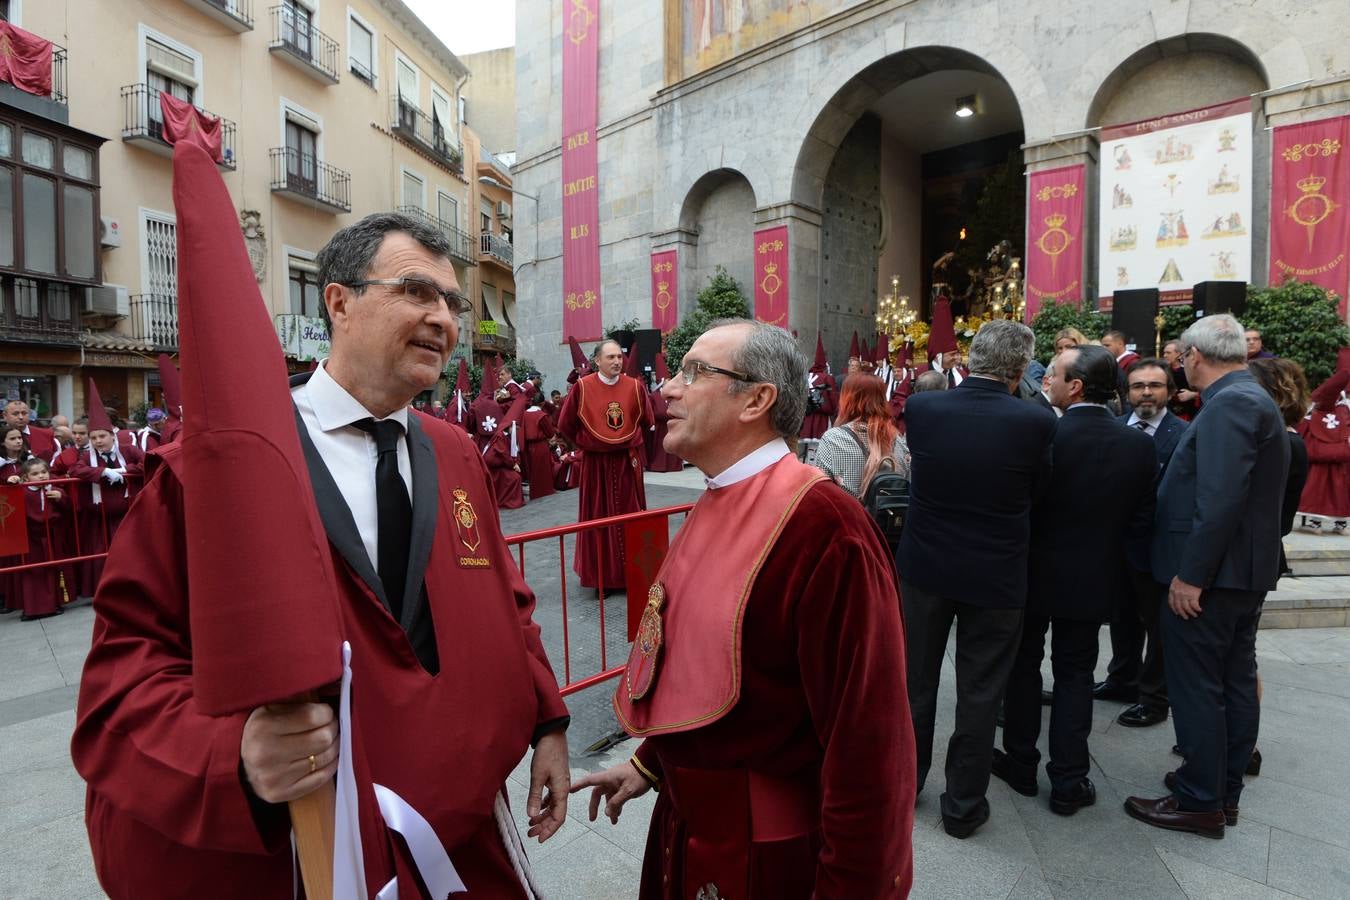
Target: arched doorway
[(719, 213), (918, 156)]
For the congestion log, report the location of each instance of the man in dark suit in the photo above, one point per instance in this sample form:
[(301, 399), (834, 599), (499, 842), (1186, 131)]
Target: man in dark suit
[(1145, 687), (980, 458), (1077, 575), (1216, 544)]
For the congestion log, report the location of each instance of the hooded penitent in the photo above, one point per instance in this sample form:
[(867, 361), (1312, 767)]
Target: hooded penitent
[(942, 336)]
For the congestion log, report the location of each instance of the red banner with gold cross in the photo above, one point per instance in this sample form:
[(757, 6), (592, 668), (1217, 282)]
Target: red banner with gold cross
[(580, 170), (771, 275), (1310, 204), (665, 290), (1054, 237)]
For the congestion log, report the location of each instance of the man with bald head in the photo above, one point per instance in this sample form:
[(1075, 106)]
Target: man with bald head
[(606, 416)]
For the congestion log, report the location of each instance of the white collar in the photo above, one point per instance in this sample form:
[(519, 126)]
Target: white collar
[(1085, 403), (607, 381), (1154, 422), (334, 408), (750, 465), (1124, 353)]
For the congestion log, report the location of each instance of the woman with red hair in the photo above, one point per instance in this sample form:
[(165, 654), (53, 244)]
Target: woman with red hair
[(865, 441)]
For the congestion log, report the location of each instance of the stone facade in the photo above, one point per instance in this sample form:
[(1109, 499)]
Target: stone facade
[(778, 115)]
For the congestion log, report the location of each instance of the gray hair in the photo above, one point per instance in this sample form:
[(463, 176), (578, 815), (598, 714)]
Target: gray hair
[(932, 380), (1002, 349), (1220, 339), (349, 254), (771, 356), (595, 353)]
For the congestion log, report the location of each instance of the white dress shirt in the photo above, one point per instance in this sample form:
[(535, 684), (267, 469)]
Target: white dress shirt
[(749, 465), (328, 412), (1151, 425), (611, 381)]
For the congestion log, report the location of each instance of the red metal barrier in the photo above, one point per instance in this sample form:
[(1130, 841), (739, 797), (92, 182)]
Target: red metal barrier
[(13, 519), (560, 533)]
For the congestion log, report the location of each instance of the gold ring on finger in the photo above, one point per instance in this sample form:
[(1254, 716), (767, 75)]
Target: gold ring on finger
[(313, 764)]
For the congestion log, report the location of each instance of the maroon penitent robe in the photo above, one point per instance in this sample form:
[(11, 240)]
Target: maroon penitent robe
[(776, 717), (167, 809), (606, 422), (41, 592), (658, 458), (504, 467), (100, 504), (538, 456), (820, 386)]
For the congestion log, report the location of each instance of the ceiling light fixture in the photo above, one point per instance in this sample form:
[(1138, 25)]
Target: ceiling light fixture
[(965, 107)]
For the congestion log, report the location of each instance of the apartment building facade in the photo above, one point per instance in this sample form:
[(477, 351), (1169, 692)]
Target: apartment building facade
[(329, 111)]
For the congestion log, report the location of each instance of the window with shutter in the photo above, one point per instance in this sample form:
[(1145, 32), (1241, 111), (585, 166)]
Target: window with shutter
[(412, 190), (361, 49)]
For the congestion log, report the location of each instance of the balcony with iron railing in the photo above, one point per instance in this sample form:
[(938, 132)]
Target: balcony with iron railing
[(36, 315), (236, 15), (298, 42), (154, 319), (143, 124), (428, 136), (302, 177), (495, 248), (461, 242), (493, 335), (51, 105)]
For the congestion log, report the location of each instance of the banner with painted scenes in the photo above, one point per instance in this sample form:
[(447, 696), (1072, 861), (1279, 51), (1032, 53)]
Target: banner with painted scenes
[(1176, 201)]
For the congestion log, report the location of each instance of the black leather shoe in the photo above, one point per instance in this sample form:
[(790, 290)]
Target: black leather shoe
[(963, 829), (1230, 813), (1108, 690), (1165, 813), (1141, 716), (1008, 772), (1254, 764), (1083, 794), (1047, 697)]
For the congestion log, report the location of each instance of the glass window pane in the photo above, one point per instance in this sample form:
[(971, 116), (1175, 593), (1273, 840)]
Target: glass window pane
[(6, 216), (311, 298), (58, 302), (412, 190), (407, 83), (297, 304), (79, 228), (39, 224), (361, 44), (6, 141), (78, 162), (26, 298), (447, 210), (37, 150)]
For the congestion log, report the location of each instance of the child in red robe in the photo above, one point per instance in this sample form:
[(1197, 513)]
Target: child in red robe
[(1326, 431), (40, 592)]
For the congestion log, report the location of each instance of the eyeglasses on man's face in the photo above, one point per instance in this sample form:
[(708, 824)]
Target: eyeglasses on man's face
[(693, 368), (420, 292)]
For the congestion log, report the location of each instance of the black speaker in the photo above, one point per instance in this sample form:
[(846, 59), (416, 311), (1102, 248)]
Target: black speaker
[(646, 344), (1210, 297), (624, 337), (1133, 312)]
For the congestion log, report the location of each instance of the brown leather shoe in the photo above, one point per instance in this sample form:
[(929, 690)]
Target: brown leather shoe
[(1164, 813), (1230, 813)]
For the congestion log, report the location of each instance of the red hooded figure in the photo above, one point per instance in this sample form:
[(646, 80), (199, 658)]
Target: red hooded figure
[(658, 458), (822, 400), (1326, 431)]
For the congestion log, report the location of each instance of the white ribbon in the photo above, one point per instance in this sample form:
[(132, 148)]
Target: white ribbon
[(515, 449), (428, 854), (349, 874)]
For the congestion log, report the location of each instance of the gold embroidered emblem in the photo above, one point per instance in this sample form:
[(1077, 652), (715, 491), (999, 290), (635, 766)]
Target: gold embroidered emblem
[(1319, 205), (466, 520), (614, 415), (646, 645), (1054, 240)]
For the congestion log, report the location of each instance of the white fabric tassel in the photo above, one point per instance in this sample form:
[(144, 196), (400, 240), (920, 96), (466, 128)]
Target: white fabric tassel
[(515, 849)]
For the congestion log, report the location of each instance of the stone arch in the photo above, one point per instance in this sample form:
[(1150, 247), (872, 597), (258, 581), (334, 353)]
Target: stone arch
[(1147, 82), (717, 216)]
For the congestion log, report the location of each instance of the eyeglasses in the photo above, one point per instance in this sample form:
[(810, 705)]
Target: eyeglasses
[(420, 292), (693, 368)]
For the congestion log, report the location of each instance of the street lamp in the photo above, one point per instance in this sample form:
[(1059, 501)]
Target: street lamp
[(488, 179)]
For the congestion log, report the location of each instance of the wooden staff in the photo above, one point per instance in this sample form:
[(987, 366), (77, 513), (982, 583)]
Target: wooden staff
[(313, 817)]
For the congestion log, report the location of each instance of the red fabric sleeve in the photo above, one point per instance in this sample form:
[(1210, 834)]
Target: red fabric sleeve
[(1320, 451), (1329, 391), (569, 422), (852, 657), (649, 764), (139, 741)]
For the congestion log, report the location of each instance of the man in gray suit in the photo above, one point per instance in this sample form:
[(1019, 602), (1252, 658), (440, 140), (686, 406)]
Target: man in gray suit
[(1216, 544)]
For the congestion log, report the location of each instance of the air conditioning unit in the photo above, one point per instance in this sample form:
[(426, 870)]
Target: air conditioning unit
[(108, 300), (503, 209), (109, 232)]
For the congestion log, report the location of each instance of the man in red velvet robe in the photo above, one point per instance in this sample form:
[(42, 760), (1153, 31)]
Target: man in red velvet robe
[(768, 674), (185, 803), (40, 440), (605, 416), (538, 429)]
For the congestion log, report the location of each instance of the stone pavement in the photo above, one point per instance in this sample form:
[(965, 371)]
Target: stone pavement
[(1294, 839)]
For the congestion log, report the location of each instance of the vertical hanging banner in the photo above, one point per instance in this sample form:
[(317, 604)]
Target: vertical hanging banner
[(1054, 259), (1309, 196), (665, 290), (771, 275), (580, 170)]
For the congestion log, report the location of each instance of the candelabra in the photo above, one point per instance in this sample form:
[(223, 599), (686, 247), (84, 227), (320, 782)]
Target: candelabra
[(894, 313), (1008, 299)]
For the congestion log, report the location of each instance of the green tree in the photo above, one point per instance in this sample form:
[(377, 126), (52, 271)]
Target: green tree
[(630, 325), (1054, 317), (721, 299), (1300, 321)]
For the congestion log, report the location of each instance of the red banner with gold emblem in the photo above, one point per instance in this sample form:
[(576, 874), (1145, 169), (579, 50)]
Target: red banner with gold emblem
[(14, 521), (580, 170), (665, 290), (771, 275), (1310, 204), (1054, 237)]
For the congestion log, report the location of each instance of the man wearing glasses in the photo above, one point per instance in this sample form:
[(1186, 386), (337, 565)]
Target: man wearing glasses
[(606, 416), (424, 587), (768, 675)]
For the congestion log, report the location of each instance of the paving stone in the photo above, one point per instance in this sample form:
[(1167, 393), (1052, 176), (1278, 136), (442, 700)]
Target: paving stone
[(1308, 868), (48, 860), (1202, 882)]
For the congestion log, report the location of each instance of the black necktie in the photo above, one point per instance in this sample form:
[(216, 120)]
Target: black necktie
[(1142, 426), (394, 511), (951, 378), (109, 460)]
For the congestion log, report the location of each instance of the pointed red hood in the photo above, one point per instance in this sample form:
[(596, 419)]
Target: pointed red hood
[(662, 372), (864, 352), (488, 387), (820, 361), (514, 413), (882, 352), (853, 347), (630, 363), (172, 384), (462, 384), (578, 357), (942, 336), (263, 616), (97, 412)]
